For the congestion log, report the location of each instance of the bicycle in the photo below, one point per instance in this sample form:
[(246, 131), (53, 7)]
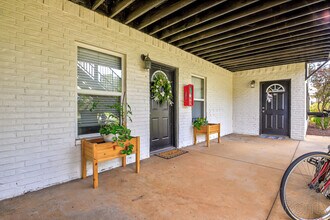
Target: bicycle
[(305, 186)]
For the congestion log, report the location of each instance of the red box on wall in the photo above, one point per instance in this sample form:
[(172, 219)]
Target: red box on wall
[(188, 95)]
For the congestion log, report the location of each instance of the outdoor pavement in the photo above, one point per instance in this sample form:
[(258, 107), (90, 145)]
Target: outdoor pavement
[(236, 179)]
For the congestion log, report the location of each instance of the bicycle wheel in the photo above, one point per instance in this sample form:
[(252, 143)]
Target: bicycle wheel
[(304, 191)]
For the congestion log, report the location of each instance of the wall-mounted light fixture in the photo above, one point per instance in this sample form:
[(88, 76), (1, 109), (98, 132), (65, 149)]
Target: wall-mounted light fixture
[(253, 84), (147, 61)]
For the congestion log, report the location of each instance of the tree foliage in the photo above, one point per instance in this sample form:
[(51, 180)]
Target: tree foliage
[(321, 82)]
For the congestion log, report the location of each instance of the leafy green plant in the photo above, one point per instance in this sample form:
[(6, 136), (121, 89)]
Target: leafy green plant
[(125, 112), (161, 89), (116, 125), (86, 102), (199, 122), (321, 123)]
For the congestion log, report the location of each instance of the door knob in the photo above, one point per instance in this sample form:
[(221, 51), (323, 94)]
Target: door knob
[(263, 109)]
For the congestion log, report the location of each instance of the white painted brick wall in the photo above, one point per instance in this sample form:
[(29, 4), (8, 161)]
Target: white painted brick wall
[(246, 99), (38, 89)]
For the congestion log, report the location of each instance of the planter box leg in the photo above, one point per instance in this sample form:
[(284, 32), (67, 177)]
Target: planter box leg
[(137, 155), (95, 174), (124, 161), (83, 168), (195, 136), (219, 135), (83, 161), (208, 136)]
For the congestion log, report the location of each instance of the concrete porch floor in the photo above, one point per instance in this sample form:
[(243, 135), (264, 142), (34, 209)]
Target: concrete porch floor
[(237, 179)]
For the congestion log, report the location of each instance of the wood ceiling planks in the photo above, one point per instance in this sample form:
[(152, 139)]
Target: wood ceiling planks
[(236, 35)]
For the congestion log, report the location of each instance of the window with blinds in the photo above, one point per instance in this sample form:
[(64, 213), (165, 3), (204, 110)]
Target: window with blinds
[(99, 85), (198, 110)]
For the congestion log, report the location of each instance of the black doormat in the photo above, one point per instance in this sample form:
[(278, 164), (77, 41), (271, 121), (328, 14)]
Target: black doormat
[(275, 137), (171, 153)]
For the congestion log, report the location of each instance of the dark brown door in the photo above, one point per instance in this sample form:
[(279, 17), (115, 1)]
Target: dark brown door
[(161, 116), (275, 108)]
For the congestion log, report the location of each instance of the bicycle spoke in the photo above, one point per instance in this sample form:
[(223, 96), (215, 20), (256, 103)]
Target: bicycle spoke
[(301, 199)]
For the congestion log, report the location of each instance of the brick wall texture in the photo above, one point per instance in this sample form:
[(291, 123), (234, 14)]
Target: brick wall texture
[(38, 53), (246, 100)]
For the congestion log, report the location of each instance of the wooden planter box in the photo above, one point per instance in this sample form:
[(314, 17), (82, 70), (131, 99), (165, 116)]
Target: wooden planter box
[(96, 150), (207, 130)]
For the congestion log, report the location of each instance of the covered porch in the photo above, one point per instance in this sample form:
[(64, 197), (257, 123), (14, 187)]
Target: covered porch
[(64, 62), (237, 179)]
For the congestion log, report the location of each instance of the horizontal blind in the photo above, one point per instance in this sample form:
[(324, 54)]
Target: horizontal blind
[(91, 108), (99, 71)]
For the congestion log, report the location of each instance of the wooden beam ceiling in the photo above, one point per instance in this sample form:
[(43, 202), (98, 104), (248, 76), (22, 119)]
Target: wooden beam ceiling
[(264, 30), (303, 58), (280, 53), (226, 19), (250, 49), (245, 21), (96, 4), (184, 14), (236, 35), (142, 9), (199, 19), (162, 12), (267, 51), (120, 7)]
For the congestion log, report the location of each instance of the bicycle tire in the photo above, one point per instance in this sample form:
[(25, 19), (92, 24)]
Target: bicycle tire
[(284, 180)]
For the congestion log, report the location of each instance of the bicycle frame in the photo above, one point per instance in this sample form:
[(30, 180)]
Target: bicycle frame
[(319, 176)]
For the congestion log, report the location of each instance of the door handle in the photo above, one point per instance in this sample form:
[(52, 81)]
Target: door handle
[(263, 109)]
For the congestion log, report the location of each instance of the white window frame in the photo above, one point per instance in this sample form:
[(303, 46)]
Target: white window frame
[(204, 91), (98, 92)]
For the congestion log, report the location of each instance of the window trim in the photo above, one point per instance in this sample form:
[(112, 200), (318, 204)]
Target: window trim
[(204, 91), (97, 92)]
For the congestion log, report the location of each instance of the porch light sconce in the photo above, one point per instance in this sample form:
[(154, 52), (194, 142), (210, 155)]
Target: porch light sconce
[(253, 84), (147, 61)]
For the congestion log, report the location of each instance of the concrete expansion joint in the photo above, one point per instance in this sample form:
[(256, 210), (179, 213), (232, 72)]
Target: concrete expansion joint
[(242, 161)]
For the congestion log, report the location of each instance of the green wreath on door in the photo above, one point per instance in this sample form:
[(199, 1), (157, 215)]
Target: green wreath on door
[(161, 88)]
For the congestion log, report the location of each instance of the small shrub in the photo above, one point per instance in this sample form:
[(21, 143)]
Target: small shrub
[(318, 122)]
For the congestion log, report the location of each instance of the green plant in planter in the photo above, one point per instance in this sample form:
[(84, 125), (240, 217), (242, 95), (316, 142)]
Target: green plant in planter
[(199, 122), (116, 125)]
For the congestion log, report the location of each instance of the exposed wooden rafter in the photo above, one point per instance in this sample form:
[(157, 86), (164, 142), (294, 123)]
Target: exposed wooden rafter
[(197, 20), (270, 39), (184, 15), (268, 14), (236, 35), (316, 57), (313, 20), (247, 50), (119, 7), (161, 13), (96, 4), (226, 19), (142, 9), (274, 50), (281, 53)]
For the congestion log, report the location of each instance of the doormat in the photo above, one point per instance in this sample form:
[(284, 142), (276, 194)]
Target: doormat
[(275, 137), (171, 153)]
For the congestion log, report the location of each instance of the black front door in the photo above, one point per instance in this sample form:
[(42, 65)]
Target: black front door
[(275, 107), (161, 116)]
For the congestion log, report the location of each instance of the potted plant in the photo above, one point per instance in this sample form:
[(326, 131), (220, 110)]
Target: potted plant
[(201, 126), (199, 122), (113, 128)]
